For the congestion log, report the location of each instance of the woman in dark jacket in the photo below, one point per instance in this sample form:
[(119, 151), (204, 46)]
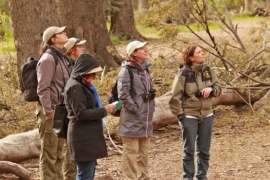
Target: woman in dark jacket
[(191, 101), (85, 131), (135, 127)]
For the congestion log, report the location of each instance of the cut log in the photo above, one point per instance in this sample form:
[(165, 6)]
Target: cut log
[(230, 97), (18, 170), (163, 116), (263, 103), (19, 147)]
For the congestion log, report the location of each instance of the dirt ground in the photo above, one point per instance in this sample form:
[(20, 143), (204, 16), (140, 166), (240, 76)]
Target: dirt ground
[(239, 151), (236, 154)]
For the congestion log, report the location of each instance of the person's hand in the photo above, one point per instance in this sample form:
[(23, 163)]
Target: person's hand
[(206, 92), (49, 117), (181, 117), (110, 108)]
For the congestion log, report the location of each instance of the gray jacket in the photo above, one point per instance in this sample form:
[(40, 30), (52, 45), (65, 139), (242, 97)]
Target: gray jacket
[(51, 80), (136, 114)]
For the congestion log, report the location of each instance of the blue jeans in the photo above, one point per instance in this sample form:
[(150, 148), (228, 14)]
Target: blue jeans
[(199, 133), (86, 170)]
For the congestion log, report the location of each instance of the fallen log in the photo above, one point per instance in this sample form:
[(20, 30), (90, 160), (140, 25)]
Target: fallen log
[(163, 116), (19, 147), (13, 168)]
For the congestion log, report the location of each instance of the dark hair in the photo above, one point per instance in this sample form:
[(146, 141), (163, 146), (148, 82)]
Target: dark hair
[(44, 47), (188, 53)]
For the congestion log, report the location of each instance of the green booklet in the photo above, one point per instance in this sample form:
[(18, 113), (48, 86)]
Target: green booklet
[(118, 105)]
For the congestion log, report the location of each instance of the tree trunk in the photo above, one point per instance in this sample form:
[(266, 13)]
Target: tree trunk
[(18, 170), (135, 5), (144, 5), (29, 20), (86, 20), (248, 5), (123, 24), (19, 147), (268, 7)]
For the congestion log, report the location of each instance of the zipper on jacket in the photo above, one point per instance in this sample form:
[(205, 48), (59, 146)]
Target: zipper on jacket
[(196, 80), (147, 88)]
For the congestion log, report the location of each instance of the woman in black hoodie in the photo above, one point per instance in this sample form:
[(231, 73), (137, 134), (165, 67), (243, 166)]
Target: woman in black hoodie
[(85, 131)]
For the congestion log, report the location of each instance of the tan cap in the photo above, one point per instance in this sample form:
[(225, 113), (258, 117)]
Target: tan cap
[(73, 42), (134, 45), (50, 31)]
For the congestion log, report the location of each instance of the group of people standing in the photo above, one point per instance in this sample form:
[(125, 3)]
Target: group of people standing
[(70, 81)]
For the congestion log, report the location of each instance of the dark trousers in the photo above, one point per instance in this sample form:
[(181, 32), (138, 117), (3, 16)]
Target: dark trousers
[(196, 133), (86, 170)]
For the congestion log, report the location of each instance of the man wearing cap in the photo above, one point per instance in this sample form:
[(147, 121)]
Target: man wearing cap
[(51, 77), (85, 137), (74, 48), (135, 127)]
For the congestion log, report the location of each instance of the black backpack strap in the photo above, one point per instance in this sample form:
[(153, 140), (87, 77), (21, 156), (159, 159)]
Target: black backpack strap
[(130, 71), (54, 54), (131, 77)]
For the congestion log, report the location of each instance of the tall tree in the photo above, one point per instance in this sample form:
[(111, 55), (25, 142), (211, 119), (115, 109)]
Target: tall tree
[(135, 5), (144, 5), (268, 6), (248, 5), (29, 21), (86, 19), (123, 23)]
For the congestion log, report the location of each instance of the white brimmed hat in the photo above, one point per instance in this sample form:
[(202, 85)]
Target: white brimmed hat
[(50, 31), (73, 42), (134, 45)]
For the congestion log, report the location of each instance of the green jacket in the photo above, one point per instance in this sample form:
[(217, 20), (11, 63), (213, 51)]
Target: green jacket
[(186, 87)]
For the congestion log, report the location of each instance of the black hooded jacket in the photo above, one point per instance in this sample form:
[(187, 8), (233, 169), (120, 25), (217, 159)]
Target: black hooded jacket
[(85, 131)]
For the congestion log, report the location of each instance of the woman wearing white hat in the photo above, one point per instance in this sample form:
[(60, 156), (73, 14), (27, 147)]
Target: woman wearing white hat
[(135, 127), (52, 73)]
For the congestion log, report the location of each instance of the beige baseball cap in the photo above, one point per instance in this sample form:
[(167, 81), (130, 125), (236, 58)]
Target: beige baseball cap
[(73, 42), (50, 31), (134, 45)]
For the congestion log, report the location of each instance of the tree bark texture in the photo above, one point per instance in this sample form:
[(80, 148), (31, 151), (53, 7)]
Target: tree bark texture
[(85, 19), (135, 5), (19, 147), (18, 170), (123, 23), (248, 5), (268, 7), (144, 5), (30, 19)]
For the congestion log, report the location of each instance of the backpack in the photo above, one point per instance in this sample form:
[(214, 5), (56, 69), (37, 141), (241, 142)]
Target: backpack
[(114, 92), (28, 77)]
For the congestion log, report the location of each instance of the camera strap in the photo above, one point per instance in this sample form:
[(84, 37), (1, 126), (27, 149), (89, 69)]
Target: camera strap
[(143, 82)]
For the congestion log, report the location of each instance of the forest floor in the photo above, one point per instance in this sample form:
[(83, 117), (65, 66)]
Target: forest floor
[(240, 147), (239, 151)]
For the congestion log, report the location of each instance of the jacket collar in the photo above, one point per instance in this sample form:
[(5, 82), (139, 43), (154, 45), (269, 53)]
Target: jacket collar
[(197, 68)]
